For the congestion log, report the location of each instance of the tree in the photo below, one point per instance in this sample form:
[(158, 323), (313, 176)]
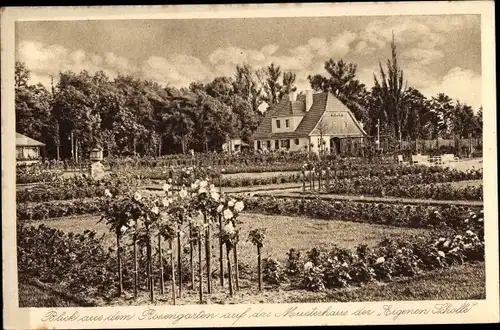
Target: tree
[(343, 84), (440, 121), (416, 107), (33, 105), (213, 124), (322, 129), (22, 75), (288, 84), (274, 90), (179, 121), (221, 88), (390, 89), (76, 109), (462, 121), (477, 124), (244, 119), (247, 85), (272, 85)]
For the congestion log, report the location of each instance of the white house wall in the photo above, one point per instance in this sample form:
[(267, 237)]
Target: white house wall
[(316, 141), (336, 123), (293, 120), (303, 143)]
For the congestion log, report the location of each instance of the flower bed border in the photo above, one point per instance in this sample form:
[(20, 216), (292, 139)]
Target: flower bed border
[(371, 199)]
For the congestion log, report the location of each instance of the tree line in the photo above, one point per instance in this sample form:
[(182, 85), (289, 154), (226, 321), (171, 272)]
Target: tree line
[(129, 116)]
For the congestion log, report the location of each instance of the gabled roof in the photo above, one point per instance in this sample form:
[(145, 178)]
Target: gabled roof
[(322, 102), (286, 108), (24, 141)]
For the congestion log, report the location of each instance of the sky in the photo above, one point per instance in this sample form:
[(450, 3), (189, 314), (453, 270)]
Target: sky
[(437, 53)]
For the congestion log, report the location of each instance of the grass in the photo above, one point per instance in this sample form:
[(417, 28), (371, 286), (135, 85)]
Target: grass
[(262, 175), (302, 233), (283, 233), (35, 294)]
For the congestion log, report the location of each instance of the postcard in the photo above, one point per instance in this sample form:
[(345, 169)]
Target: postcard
[(249, 165)]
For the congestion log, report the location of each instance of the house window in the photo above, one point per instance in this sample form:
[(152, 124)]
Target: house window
[(287, 123), (296, 142), (278, 125), (276, 144), (258, 145), (268, 144), (285, 143)]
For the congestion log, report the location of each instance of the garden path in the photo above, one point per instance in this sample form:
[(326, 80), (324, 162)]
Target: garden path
[(308, 195)]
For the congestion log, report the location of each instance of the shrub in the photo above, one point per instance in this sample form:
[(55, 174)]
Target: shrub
[(272, 271), (340, 268), (294, 263), (442, 216)]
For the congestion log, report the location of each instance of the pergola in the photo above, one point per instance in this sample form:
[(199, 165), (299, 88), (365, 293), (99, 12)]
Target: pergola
[(27, 149)]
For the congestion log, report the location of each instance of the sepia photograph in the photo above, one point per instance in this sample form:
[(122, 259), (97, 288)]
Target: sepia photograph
[(292, 160)]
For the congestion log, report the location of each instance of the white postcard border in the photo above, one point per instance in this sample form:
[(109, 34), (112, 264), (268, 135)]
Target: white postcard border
[(23, 318)]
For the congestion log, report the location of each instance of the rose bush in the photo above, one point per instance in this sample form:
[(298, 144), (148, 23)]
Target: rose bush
[(406, 189), (443, 216), (322, 269)]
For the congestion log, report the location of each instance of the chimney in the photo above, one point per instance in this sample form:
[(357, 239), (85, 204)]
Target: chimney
[(293, 96), (309, 99)]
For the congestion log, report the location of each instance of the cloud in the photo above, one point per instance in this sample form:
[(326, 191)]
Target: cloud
[(422, 56), (178, 70), (303, 60), (459, 84), (362, 47), (341, 44), (365, 75), (450, 23), (419, 40), (269, 49), (45, 61), (406, 30)]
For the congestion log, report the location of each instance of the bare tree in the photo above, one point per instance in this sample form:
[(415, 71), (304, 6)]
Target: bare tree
[(323, 128)]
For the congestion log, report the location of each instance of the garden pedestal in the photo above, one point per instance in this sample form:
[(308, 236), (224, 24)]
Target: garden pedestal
[(97, 171)]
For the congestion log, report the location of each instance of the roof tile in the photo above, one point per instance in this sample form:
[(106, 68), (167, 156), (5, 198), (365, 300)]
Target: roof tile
[(321, 102)]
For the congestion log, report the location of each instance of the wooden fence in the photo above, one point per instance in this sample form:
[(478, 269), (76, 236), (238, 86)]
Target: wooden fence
[(369, 147)]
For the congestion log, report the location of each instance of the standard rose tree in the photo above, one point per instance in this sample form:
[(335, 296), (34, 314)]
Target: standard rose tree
[(257, 237)]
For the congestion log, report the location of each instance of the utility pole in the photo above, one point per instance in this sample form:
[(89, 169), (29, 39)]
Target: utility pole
[(72, 147), (378, 134)]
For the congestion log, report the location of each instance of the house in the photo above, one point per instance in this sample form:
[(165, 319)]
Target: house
[(234, 146), (308, 122), (27, 149)]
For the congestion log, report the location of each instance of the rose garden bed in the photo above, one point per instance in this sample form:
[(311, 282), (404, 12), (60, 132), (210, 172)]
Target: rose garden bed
[(147, 240), (401, 255)]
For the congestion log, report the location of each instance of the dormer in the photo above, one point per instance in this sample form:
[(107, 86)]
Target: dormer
[(290, 112)]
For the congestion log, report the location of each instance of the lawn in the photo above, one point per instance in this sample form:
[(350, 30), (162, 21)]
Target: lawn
[(302, 233), (262, 175), (283, 233), (32, 294)]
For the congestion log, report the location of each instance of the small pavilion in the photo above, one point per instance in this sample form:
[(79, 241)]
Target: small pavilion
[(27, 149)]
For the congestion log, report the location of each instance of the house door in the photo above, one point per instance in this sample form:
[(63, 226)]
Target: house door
[(335, 145)]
